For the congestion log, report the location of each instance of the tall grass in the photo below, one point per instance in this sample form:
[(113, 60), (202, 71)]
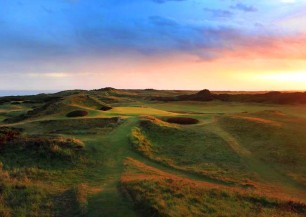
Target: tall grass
[(156, 193)]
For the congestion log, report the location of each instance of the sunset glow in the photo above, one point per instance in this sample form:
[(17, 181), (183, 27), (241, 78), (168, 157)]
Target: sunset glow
[(168, 44), (298, 77)]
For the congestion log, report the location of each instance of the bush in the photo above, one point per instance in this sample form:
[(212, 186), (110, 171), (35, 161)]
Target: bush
[(8, 134), (77, 113), (183, 121)]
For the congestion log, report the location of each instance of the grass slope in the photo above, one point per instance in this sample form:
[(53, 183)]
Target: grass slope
[(157, 193), (194, 149)]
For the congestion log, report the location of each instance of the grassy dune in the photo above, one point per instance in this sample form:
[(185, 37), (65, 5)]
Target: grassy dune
[(194, 149), (157, 193), (275, 138)]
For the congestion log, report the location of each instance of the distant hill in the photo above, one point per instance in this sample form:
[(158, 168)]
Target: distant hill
[(50, 105), (273, 97)]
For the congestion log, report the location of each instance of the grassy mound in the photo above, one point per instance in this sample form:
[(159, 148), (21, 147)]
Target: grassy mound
[(71, 126), (28, 167), (49, 108), (42, 151), (168, 197), (85, 101), (182, 120), (156, 193), (277, 140), (60, 106), (194, 150), (77, 113), (141, 143)]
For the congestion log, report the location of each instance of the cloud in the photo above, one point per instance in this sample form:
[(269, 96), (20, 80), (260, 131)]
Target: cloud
[(162, 21), (165, 1), (270, 47), (243, 7), (56, 38), (49, 75), (47, 10), (217, 13)]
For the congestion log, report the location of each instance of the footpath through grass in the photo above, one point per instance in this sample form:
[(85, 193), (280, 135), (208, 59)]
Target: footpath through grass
[(110, 201)]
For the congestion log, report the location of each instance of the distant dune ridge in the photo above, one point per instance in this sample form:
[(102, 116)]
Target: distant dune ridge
[(269, 97), (70, 100)]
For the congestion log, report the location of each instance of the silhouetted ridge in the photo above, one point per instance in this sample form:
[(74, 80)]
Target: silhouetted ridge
[(203, 95), (273, 97)]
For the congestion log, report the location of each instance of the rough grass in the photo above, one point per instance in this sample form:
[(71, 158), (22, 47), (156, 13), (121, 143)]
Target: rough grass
[(86, 101), (8, 134), (74, 201), (72, 126), (32, 169), (156, 193), (19, 199), (141, 143), (81, 194), (42, 151)]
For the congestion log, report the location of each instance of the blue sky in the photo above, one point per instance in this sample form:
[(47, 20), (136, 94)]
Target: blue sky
[(53, 44)]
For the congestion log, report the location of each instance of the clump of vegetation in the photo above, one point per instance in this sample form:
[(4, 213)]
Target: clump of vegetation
[(182, 120), (8, 134), (41, 151), (171, 197), (77, 113), (141, 143), (19, 199)]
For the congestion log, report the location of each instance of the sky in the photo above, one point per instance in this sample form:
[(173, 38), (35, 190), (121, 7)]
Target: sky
[(162, 44)]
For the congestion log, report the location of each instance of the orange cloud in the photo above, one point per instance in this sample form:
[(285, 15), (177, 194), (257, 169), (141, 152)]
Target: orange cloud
[(289, 47)]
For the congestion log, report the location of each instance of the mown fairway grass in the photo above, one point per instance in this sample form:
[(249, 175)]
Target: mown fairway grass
[(172, 170)]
